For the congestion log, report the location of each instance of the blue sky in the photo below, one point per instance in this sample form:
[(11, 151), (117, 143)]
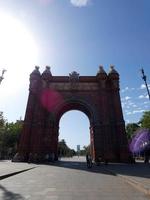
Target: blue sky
[(75, 35)]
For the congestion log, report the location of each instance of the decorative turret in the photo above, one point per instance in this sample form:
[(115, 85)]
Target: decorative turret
[(101, 73), (35, 73), (102, 77), (114, 77), (113, 73), (34, 79), (47, 75)]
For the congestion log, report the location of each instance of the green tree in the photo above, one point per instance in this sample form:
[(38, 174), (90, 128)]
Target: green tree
[(145, 120), (9, 137), (64, 150), (2, 120), (2, 135), (130, 129), (13, 131), (85, 150)]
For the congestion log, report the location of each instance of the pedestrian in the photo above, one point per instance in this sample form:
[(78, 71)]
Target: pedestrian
[(89, 161)]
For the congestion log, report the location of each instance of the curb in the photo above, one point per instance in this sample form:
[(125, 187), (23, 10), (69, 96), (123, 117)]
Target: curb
[(14, 173), (132, 182)]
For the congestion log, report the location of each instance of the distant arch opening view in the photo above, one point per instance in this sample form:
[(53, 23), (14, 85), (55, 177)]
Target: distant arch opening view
[(51, 96), (74, 128)]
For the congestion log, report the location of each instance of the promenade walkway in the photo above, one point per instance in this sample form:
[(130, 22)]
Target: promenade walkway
[(69, 179)]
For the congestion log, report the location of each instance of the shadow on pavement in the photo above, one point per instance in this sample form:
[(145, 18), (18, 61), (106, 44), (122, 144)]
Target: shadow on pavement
[(81, 166), (8, 195), (138, 169)]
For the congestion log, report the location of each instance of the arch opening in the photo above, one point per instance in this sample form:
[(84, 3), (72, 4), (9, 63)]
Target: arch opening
[(76, 105), (74, 129)]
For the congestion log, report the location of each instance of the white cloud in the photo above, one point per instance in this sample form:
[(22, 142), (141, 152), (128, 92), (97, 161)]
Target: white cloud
[(129, 113), (127, 89), (138, 111), (135, 106), (143, 86), (147, 96), (139, 108), (133, 112), (143, 96), (79, 3), (146, 102), (130, 103), (127, 98), (132, 88)]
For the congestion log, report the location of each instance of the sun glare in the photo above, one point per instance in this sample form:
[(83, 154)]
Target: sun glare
[(18, 51)]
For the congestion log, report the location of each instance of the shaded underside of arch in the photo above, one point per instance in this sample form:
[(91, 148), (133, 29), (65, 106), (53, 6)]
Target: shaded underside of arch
[(76, 104)]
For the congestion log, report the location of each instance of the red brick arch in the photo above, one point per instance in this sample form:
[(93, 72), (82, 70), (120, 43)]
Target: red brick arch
[(51, 96)]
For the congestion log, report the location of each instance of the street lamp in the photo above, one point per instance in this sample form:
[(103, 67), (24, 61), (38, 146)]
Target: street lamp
[(144, 78), (2, 76)]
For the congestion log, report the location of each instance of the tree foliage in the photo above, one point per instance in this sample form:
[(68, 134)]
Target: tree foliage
[(130, 129), (9, 137), (145, 120), (85, 150), (64, 150), (2, 120)]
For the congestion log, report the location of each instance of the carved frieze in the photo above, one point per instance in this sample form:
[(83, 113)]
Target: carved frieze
[(68, 86)]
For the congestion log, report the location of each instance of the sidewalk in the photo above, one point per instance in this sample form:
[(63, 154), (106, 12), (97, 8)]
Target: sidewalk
[(8, 168), (137, 175)]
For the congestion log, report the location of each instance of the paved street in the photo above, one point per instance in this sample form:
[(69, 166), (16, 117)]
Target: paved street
[(69, 179)]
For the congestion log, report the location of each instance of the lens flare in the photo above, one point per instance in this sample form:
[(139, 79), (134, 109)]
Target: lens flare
[(50, 98), (140, 142)]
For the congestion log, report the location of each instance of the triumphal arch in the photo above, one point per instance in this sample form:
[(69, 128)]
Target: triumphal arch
[(51, 96)]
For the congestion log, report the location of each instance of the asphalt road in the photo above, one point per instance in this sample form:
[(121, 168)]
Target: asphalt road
[(69, 179)]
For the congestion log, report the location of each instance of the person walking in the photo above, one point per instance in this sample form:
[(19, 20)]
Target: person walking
[(89, 161)]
